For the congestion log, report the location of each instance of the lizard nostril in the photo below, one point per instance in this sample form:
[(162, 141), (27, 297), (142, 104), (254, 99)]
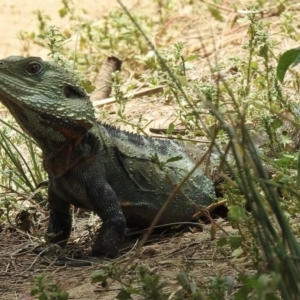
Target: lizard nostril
[(71, 92)]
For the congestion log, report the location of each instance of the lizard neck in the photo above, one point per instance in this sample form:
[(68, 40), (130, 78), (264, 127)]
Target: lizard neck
[(64, 143), (66, 155)]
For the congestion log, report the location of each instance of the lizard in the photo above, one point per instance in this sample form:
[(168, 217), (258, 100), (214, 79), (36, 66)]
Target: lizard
[(123, 177)]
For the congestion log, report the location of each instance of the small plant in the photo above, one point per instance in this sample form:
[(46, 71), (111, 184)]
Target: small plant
[(18, 172), (21, 172), (44, 290), (144, 283)]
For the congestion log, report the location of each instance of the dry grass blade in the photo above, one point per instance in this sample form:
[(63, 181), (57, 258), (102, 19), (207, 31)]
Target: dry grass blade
[(23, 173)]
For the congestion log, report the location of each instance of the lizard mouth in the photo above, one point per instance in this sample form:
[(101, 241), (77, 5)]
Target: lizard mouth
[(67, 127)]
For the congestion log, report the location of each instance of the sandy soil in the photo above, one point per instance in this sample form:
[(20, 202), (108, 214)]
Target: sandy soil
[(17, 15)]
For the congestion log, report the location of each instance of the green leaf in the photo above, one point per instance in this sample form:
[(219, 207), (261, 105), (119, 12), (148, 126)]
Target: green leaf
[(285, 60), (62, 12), (215, 13), (276, 123), (63, 295), (191, 57), (237, 213), (99, 276), (242, 293), (34, 292), (184, 281), (124, 295), (88, 86), (222, 242), (133, 291), (170, 128), (237, 252), (296, 62), (235, 242), (175, 158)]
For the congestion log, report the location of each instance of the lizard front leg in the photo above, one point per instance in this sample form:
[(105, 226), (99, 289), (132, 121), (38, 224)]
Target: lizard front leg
[(106, 204), (60, 222)]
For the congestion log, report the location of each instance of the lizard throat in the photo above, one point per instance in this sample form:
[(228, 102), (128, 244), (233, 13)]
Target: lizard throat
[(68, 128)]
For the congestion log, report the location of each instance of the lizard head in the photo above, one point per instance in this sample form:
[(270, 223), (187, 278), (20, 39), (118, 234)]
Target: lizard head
[(41, 93)]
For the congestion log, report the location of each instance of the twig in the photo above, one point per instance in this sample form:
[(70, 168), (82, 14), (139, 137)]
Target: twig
[(147, 92), (104, 78), (209, 208)]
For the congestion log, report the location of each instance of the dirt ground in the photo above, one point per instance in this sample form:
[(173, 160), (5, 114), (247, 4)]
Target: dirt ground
[(165, 252), (18, 15)]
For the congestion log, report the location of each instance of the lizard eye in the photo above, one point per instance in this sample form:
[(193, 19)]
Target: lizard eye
[(33, 68)]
